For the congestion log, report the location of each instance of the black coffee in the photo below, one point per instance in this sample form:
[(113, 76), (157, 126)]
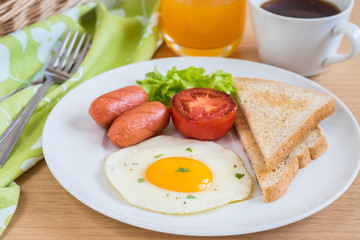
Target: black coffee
[(301, 8)]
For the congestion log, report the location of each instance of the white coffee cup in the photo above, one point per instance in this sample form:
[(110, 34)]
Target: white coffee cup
[(306, 46)]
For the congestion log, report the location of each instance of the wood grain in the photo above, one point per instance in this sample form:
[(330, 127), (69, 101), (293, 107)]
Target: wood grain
[(47, 211)]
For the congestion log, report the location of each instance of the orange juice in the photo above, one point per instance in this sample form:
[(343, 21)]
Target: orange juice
[(203, 27)]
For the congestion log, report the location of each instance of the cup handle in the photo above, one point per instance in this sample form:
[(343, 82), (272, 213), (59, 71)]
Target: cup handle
[(353, 33)]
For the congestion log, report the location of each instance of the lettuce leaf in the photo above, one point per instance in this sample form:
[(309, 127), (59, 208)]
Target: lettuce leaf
[(161, 88)]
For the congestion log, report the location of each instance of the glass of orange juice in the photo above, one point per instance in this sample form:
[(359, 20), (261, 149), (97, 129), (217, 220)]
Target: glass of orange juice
[(203, 27)]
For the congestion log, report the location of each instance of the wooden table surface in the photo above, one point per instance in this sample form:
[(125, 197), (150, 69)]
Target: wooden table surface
[(47, 211)]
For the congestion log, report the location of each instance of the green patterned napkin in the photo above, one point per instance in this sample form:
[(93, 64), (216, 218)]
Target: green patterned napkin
[(123, 32)]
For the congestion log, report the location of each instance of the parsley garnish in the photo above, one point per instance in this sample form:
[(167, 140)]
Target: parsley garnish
[(181, 169), (157, 156), (239, 175), (189, 149), (141, 180), (190, 197)]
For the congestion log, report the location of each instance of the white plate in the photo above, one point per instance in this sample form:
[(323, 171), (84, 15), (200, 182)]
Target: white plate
[(75, 147)]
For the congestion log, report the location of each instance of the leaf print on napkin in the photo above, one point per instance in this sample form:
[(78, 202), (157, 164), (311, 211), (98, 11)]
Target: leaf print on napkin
[(152, 22), (38, 143), (7, 116), (73, 13), (48, 40), (28, 163), (4, 63), (9, 196), (20, 35), (5, 213)]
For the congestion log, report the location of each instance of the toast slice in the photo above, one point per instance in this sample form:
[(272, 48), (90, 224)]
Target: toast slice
[(274, 183), (280, 115)]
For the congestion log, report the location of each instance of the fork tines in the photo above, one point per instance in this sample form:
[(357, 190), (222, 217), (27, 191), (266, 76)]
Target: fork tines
[(67, 60)]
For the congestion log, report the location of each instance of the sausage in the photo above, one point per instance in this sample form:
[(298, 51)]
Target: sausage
[(107, 107), (140, 123)]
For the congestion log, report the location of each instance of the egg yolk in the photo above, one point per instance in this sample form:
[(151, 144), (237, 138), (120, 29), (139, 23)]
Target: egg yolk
[(179, 174)]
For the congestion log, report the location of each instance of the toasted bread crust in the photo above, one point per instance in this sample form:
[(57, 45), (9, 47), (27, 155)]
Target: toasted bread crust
[(319, 148), (277, 190), (289, 167), (274, 192), (294, 137), (315, 151)]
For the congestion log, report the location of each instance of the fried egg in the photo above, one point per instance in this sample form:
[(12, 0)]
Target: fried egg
[(178, 176)]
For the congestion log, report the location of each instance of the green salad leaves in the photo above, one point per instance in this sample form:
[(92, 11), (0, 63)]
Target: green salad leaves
[(161, 88)]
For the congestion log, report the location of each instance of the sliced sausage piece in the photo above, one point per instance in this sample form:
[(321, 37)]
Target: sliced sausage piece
[(107, 107), (142, 122)]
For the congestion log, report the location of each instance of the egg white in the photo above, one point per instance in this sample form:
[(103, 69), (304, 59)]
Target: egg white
[(125, 167)]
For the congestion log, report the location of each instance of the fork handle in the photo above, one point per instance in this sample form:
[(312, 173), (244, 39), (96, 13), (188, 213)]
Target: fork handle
[(9, 138)]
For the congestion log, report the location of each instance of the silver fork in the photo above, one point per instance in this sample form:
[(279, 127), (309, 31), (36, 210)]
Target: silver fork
[(62, 66)]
